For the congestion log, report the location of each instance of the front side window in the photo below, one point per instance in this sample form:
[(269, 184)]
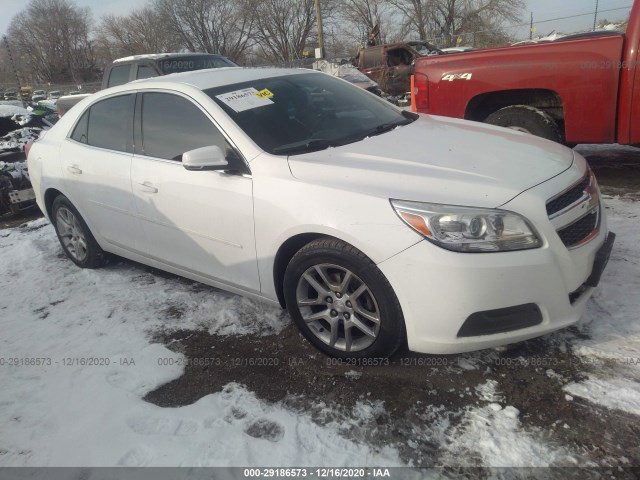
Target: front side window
[(119, 75), (372, 57), (172, 125), (293, 114), (109, 124)]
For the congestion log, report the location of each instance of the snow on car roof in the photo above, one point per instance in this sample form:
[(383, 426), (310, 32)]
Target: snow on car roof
[(217, 77), (154, 56)]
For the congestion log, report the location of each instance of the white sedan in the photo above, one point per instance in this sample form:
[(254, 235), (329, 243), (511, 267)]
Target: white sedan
[(375, 227)]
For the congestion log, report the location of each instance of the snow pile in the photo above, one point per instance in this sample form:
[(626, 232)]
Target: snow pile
[(615, 393), (16, 140), (82, 362), (11, 110), (493, 435)]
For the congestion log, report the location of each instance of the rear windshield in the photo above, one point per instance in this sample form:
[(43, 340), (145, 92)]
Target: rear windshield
[(193, 62)]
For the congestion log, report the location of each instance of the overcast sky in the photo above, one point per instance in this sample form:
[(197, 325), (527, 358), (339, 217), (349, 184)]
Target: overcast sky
[(542, 10)]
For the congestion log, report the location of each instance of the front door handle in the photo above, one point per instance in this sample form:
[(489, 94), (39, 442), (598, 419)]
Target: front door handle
[(74, 169), (147, 187)]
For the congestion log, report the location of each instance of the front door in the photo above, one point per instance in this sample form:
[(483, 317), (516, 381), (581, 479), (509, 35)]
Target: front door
[(198, 221)]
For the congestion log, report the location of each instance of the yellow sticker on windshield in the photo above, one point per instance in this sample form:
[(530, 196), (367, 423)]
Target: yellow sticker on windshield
[(264, 94)]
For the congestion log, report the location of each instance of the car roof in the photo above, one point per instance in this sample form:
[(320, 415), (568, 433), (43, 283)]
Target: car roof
[(216, 77)]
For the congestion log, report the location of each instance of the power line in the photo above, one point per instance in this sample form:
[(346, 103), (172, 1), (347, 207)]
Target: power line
[(569, 16)]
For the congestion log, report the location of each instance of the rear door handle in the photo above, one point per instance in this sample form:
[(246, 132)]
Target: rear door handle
[(147, 187), (74, 169)]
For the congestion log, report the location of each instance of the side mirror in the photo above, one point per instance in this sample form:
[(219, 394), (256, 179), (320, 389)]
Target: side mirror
[(205, 158)]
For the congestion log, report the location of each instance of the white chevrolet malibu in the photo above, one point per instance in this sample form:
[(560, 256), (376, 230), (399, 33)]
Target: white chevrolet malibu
[(373, 226)]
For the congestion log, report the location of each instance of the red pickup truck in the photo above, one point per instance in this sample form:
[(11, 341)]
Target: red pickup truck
[(582, 88)]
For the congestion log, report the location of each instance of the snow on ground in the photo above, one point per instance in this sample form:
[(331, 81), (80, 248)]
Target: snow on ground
[(616, 393), (59, 411), (588, 148), (492, 435)]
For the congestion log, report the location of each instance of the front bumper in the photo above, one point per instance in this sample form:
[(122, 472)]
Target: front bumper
[(439, 294)]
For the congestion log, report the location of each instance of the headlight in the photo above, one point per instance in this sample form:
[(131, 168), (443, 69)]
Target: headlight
[(467, 229)]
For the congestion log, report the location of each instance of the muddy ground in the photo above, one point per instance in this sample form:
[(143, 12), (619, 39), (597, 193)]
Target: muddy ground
[(529, 376)]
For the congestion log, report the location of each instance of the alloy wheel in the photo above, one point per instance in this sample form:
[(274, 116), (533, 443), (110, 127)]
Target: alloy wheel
[(338, 307)]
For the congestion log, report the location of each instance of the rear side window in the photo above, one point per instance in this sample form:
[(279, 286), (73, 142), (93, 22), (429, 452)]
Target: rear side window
[(80, 133), (110, 123), (172, 125), (145, 71), (119, 75)]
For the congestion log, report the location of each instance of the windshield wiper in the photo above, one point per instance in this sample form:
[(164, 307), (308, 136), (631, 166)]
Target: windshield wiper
[(386, 127), (309, 145)]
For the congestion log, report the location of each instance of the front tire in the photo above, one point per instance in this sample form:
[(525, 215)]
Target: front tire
[(74, 235), (527, 119), (341, 301)]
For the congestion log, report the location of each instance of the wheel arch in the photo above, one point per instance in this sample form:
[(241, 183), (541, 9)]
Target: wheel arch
[(549, 101), (49, 196), (284, 255)]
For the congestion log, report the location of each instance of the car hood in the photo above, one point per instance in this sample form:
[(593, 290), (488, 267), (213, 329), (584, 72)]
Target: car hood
[(438, 160)]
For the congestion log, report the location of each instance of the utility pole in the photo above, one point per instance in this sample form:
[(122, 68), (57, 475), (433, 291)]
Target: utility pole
[(15, 71), (320, 32), (595, 17), (531, 28)]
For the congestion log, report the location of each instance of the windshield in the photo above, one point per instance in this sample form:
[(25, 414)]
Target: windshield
[(299, 113), (193, 62)]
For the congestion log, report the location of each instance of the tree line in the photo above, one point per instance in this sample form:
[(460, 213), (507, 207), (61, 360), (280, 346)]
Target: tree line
[(56, 41)]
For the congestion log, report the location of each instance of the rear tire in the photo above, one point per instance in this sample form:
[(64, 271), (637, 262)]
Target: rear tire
[(527, 119), (341, 301), (74, 235)]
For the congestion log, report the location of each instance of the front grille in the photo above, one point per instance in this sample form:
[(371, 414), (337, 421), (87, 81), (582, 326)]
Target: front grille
[(569, 197), (573, 234)]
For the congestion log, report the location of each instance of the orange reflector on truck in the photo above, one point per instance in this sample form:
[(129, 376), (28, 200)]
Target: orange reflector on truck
[(413, 94)]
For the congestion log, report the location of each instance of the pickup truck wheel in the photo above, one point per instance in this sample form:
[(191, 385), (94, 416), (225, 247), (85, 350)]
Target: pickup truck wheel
[(341, 301), (74, 235), (527, 119)]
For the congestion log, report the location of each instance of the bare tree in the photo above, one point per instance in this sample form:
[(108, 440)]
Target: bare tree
[(447, 19), (284, 28), (366, 16), (417, 13), (142, 31), (53, 36), (213, 26)]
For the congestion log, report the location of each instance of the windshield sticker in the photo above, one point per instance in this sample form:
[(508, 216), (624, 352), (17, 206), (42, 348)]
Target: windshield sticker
[(264, 93), (245, 99)]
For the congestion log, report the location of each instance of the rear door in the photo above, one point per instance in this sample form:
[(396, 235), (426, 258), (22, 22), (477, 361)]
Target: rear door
[(198, 221), (96, 163)]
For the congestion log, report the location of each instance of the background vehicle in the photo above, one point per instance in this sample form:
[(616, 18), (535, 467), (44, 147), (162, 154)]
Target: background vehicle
[(138, 67), (580, 88), (25, 93), (38, 95), (376, 235), (54, 94), (391, 65), (11, 94)]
